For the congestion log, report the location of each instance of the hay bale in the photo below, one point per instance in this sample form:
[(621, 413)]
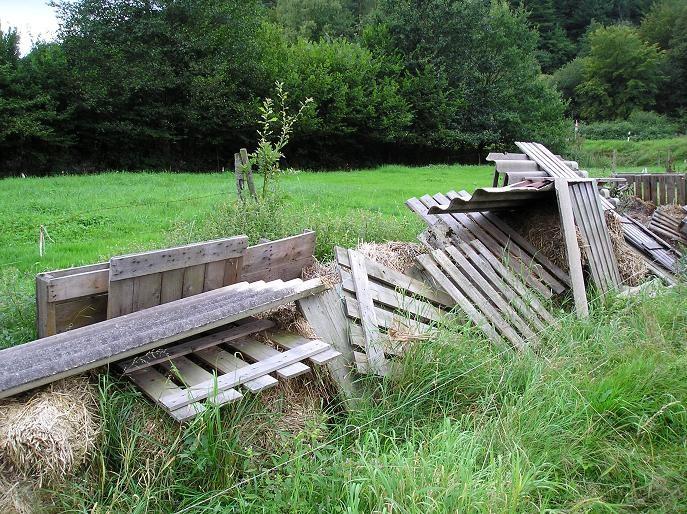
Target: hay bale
[(48, 434), (541, 226), (399, 256), (631, 266), (17, 497)]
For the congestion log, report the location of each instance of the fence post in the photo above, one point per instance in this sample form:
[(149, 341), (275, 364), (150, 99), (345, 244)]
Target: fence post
[(614, 160), (238, 171), (248, 173)]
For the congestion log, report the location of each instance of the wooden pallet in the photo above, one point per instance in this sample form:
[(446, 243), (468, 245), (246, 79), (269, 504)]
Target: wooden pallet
[(77, 297), (490, 294), (233, 354), (382, 304), (505, 243), (668, 227), (590, 219), (69, 353)]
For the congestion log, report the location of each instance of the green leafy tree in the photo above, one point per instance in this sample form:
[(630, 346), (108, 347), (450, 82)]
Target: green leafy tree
[(482, 57), (666, 25), (622, 73), (313, 19)]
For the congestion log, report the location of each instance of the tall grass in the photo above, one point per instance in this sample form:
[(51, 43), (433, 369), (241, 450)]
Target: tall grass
[(594, 419)]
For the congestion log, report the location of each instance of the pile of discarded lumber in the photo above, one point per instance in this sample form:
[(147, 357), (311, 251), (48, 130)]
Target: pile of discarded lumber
[(178, 322), (190, 325)]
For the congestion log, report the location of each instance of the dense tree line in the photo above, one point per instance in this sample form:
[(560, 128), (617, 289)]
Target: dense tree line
[(177, 84)]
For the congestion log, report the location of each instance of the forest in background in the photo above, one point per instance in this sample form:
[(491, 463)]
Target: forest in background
[(177, 84)]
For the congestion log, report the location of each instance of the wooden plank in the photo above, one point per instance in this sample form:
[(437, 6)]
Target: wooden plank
[(286, 256), (245, 374), (194, 345), (128, 266), (45, 310), (388, 320), (396, 279), (194, 279), (79, 312), (505, 309), (39, 362), (233, 269), (502, 287), (326, 316), (367, 314), (478, 298), (427, 262), (682, 190), (259, 351), (572, 248), (80, 284), (290, 340), (226, 362), (172, 286), (396, 299), (670, 189), (513, 281), (146, 291), (120, 298), (214, 275), (185, 371)]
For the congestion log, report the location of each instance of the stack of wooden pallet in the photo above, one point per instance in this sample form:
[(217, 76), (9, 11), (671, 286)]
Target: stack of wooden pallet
[(672, 229), (178, 322)]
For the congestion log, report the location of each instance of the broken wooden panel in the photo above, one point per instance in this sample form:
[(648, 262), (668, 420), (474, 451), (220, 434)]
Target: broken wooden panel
[(284, 258), (668, 227), (46, 360)]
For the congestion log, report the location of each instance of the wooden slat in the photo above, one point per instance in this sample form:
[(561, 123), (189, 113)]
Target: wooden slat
[(571, 247), (128, 266), (226, 362), (395, 299), (259, 351), (326, 316), (367, 314), (45, 310), (388, 320), (194, 279), (172, 286), (146, 291), (505, 309), (120, 298), (80, 284), (478, 298), (466, 305), (214, 275), (290, 340), (162, 354), (396, 279), (391, 346), (46, 360), (284, 258), (243, 375), (513, 281), (521, 304)]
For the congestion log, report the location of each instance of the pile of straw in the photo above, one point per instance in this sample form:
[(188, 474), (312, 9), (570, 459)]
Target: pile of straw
[(46, 436), (631, 266)]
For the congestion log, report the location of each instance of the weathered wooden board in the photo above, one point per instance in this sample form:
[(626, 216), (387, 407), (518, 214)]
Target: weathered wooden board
[(284, 258), (46, 360), (591, 221), (572, 248)]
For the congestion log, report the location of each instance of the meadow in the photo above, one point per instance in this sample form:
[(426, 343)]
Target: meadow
[(592, 420)]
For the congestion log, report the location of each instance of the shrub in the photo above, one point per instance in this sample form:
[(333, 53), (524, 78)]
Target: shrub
[(640, 125)]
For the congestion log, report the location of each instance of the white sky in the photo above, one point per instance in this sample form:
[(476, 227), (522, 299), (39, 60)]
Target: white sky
[(34, 20)]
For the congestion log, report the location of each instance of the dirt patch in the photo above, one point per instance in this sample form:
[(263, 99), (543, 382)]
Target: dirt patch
[(636, 208)]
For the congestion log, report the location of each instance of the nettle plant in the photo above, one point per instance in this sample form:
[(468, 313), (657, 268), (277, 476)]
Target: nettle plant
[(276, 127)]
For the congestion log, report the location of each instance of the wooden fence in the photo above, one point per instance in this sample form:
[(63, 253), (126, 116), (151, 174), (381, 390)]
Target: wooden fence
[(658, 188)]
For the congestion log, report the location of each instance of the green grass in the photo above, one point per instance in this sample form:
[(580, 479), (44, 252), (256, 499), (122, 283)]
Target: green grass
[(633, 155), (592, 420)]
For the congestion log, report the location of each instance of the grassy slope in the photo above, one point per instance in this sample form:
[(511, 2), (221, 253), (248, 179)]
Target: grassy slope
[(634, 154)]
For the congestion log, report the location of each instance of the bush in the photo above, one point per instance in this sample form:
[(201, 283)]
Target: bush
[(640, 125)]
